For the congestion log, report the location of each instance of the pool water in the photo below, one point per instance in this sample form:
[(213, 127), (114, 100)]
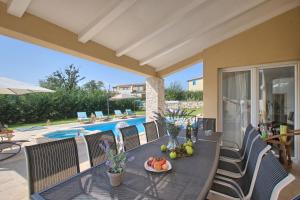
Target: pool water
[(62, 134), (138, 122)]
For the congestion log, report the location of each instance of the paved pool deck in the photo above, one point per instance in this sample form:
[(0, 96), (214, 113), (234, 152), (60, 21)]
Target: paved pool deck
[(13, 172)]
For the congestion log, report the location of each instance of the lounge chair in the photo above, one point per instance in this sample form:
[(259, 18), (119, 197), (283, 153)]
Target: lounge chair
[(119, 114), (9, 149), (82, 117), (130, 113), (100, 116)]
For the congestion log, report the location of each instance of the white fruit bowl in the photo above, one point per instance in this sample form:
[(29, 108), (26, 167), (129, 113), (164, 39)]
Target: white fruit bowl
[(150, 169)]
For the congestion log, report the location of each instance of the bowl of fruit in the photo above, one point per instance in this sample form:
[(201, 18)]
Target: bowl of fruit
[(157, 164)]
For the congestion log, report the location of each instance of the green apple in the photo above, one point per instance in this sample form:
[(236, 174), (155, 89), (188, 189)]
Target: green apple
[(163, 148), (189, 151), (189, 143), (188, 147), (172, 155)]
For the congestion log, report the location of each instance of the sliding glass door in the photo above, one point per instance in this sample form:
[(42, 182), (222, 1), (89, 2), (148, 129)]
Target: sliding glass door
[(263, 94), (277, 97), (236, 103)]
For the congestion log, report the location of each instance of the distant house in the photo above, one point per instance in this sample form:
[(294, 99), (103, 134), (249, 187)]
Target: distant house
[(195, 84), (134, 89)]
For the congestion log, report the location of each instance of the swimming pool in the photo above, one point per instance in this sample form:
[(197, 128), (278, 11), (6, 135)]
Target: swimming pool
[(63, 134), (80, 131), (138, 122)]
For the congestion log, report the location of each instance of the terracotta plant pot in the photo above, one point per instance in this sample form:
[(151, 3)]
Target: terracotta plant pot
[(115, 179)]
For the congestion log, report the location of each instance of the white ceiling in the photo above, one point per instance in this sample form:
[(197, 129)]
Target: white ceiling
[(155, 32)]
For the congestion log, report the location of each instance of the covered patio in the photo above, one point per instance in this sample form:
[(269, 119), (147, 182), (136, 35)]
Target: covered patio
[(235, 39)]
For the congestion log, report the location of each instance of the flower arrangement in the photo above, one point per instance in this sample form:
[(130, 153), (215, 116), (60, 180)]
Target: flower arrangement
[(174, 120)]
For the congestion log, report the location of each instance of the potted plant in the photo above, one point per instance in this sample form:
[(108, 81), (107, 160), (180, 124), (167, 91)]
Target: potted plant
[(115, 163)]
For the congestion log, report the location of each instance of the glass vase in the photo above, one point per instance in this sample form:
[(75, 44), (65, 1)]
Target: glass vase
[(173, 142)]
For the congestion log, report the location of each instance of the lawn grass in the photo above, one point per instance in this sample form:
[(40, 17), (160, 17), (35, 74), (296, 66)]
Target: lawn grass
[(141, 112), (73, 120), (197, 111), (54, 122)]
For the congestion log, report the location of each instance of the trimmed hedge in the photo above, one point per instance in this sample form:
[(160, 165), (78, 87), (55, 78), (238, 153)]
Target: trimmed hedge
[(59, 105)]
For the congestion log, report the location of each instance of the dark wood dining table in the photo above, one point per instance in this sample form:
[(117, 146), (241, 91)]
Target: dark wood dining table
[(189, 178)]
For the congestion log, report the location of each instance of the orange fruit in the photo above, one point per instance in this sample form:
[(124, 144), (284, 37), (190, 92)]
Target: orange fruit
[(153, 162), (165, 166), (163, 161), (157, 166)]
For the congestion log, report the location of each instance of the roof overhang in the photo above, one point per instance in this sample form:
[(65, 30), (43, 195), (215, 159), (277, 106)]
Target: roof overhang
[(127, 35)]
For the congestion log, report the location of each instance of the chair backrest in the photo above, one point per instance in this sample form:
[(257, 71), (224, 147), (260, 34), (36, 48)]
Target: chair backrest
[(296, 197), (118, 112), (161, 127), (249, 146), (248, 131), (129, 112), (99, 113), (81, 115), (50, 163), (130, 136), (205, 124), (271, 178), (256, 154), (95, 152), (151, 131)]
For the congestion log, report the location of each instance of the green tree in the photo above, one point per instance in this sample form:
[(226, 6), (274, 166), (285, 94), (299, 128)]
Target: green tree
[(174, 92), (93, 85), (68, 79)]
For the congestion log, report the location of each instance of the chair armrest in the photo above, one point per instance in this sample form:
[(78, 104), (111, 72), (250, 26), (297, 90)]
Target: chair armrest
[(235, 165), (232, 182), (234, 144)]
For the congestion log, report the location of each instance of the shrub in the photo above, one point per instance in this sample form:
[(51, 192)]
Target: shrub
[(62, 104)]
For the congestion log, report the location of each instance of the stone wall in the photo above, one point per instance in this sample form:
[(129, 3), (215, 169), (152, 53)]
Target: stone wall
[(184, 104), (155, 96)]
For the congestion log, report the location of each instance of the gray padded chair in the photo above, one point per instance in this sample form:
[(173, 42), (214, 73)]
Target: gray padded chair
[(271, 179), (296, 197), (151, 131), (161, 127), (238, 169), (237, 154), (50, 163), (95, 152), (131, 137), (242, 188)]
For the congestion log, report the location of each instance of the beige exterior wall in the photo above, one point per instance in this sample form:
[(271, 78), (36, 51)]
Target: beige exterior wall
[(198, 85), (276, 40)]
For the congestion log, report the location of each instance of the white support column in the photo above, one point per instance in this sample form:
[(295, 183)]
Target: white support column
[(155, 96)]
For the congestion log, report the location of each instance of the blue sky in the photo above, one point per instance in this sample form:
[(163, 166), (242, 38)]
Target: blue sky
[(30, 63)]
